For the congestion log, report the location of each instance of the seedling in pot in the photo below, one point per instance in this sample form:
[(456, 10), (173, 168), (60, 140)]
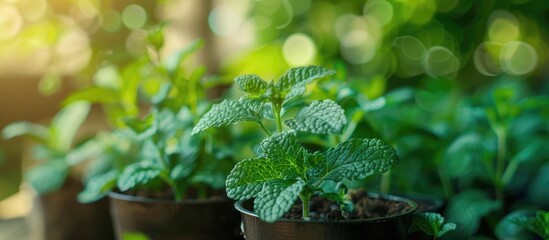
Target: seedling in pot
[(284, 170)]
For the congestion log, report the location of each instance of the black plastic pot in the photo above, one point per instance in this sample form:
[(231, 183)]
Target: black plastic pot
[(395, 227), (166, 219), (425, 202)]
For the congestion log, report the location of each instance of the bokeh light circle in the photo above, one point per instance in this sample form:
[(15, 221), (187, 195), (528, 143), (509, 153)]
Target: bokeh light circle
[(299, 49), (33, 10), (358, 46), (439, 62), (381, 10), (518, 58), (485, 58), (134, 16), (11, 21)]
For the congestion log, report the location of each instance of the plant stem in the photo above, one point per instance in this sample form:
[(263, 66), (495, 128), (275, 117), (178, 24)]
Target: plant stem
[(446, 184), (357, 116), (305, 206), (265, 129), (276, 111), (386, 182), (500, 164), (509, 172), (176, 192)]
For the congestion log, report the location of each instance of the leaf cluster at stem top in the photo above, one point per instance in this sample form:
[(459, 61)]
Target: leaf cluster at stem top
[(284, 169)]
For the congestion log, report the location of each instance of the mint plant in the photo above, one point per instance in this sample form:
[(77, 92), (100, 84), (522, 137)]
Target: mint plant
[(284, 170), (156, 154), (431, 224), (56, 150)]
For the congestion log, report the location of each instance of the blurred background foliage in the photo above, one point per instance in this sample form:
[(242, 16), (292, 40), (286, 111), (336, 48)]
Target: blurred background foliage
[(459, 87)]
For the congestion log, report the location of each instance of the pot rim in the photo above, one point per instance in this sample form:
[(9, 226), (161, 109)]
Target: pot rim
[(240, 208), (132, 198)]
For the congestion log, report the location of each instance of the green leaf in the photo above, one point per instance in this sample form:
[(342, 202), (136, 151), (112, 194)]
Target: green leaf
[(253, 85), (508, 228), (93, 95), (47, 177), (98, 186), (248, 176), (137, 174), (66, 123), (357, 159), (321, 117), (300, 77), (276, 199), (226, 113), (85, 151), (17, 129), (284, 149), (174, 61), (432, 224), (538, 224), (467, 209)]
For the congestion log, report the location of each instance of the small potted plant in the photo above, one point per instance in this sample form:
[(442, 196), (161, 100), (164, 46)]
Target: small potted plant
[(57, 177), (298, 193), (162, 182)]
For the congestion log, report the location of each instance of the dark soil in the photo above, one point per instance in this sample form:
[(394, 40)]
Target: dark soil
[(364, 208)]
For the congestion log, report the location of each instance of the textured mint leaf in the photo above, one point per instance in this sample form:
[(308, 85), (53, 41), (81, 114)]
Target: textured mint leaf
[(447, 227), (98, 186), (47, 177), (276, 199), (253, 85), (300, 77), (321, 117), (357, 159), (284, 149), (248, 176), (225, 113), (137, 174), (254, 104)]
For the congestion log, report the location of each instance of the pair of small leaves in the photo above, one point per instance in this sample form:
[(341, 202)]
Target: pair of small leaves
[(320, 117), (432, 224), (285, 167)]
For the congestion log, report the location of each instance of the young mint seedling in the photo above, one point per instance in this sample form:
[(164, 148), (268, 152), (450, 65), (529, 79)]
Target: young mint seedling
[(284, 169), (432, 224)]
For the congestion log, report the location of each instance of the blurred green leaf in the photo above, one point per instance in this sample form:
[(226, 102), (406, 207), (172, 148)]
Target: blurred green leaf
[(466, 211), (93, 95), (98, 186), (537, 190), (66, 123), (507, 229), (17, 129), (137, 174), (174, 61), (538, 224), (47, 177)]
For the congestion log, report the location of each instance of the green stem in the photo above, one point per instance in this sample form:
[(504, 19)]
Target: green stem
[(357, 116), (509, 172), (305, 206), (386, 182), (277, 108), (176, 192), (265, 129), (446, 184), (500, 164)]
